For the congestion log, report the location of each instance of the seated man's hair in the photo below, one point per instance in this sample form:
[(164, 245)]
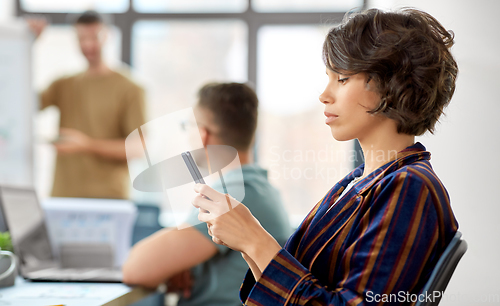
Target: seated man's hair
[(407, 54), (89, 17), (234, 107)]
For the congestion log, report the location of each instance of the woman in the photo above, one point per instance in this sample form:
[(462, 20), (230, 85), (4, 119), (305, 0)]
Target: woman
[(382, 228)]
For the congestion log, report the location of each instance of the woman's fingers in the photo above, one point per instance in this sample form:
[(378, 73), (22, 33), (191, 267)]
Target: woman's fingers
[(201, 202), (209, 229), (229, 222), (217, 204), (205, 216), (217, 240), (207, 191)]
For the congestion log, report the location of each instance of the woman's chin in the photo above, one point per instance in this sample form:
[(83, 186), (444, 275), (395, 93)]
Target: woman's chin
[(340, 137)]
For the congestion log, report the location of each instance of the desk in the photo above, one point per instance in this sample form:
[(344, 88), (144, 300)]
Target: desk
[(25, 293)]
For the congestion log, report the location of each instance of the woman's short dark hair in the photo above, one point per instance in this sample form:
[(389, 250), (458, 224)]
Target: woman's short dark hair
[(407, 54), (234, 107)]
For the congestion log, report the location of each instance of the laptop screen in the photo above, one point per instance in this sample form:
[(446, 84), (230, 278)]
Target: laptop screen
[(26, 224)]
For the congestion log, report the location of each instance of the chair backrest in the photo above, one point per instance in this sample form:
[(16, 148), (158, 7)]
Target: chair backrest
[(146, 222), (443, 271)]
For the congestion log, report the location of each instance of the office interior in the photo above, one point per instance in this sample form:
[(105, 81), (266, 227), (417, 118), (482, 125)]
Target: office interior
[(276, 46)]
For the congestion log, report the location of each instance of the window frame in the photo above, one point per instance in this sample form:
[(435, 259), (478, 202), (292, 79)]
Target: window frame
[(254, 20)]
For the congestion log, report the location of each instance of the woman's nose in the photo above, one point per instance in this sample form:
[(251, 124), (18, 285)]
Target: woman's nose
[(325, 98)]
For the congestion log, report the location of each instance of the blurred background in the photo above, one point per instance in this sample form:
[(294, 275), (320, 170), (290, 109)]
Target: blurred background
[(174, 47)]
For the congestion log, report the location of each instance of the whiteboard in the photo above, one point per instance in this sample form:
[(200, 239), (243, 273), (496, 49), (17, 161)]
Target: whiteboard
[(17, 105)]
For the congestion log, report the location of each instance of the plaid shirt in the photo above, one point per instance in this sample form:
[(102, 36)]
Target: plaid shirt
[(383, 236)]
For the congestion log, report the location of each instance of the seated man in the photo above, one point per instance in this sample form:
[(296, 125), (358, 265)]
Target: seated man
[(208, 273)]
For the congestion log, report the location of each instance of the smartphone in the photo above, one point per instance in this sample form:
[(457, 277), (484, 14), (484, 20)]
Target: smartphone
[(192, 167)]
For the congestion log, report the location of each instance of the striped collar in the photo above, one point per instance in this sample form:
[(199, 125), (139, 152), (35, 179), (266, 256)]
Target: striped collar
[(405, 157)]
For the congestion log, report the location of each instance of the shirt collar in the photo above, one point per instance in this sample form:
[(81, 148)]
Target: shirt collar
[(405, 157)]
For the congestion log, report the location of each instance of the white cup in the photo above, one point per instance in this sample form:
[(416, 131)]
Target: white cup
[(8, 269)]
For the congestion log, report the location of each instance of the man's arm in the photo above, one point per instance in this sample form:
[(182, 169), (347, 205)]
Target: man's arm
[(162, 255), (108, 148), (74, 141)]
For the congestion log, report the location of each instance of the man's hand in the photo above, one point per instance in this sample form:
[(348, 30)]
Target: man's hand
[(37, 25), (72, 141), (181, 283)]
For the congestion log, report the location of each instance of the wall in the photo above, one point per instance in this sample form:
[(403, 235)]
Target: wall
[(466, 145)]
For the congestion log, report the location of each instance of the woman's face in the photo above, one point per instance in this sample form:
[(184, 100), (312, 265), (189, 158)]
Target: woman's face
[(347, 100)]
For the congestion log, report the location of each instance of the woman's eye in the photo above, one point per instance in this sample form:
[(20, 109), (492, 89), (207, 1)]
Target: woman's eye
[(343, 81)]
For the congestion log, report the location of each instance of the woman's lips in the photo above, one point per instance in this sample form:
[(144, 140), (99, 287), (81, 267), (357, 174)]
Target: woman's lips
[(330, 117)]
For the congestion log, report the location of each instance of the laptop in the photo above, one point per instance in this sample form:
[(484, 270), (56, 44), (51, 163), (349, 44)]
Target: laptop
[(24, 219)]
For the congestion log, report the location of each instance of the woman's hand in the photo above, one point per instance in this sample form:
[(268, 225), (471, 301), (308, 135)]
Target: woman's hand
[(232, 224)]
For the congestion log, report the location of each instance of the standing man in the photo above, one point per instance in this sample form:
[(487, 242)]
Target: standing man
[(99, 107), (209, 274)]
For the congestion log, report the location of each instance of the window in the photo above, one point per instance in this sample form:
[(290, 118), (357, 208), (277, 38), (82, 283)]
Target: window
[(176, 46), (56, 53), (291, 76), (306, 5), (175, 58), (75, 6), (190, 6)]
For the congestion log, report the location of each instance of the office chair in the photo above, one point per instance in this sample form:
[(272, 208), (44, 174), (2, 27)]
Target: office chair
[(145, 225), (146, 222), (444, 269)]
